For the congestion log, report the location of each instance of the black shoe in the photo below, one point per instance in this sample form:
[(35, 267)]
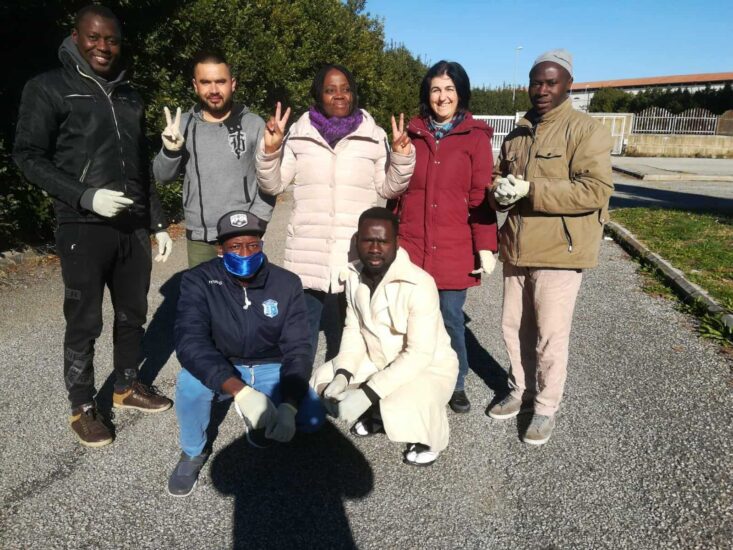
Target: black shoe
[(257, 439), (185, 475), (369, 424), (459, 402)]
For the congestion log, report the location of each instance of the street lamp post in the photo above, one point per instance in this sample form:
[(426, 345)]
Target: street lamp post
[(514, 79)]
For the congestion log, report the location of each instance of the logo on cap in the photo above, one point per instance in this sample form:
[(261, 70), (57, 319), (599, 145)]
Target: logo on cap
[(238, 220)]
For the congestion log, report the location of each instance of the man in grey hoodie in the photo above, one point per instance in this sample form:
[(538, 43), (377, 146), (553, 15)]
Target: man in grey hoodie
[(214, 145)]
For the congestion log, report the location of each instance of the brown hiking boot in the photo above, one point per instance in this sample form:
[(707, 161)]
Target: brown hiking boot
[(88, 426), (141, 397)]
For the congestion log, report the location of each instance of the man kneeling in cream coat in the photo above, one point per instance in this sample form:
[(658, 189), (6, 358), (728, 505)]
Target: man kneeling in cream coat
[(396, 369)]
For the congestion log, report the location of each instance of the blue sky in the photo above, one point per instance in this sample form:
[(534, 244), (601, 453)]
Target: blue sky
[(609, 40)]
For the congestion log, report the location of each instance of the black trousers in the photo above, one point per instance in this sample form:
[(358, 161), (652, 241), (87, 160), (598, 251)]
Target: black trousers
[(92, 256)]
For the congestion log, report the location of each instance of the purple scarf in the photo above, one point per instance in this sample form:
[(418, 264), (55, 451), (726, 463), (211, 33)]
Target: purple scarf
[(335, 128)]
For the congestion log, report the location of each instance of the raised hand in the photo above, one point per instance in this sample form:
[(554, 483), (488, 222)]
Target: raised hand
[(275, 129), (172, 137), (401, 142)]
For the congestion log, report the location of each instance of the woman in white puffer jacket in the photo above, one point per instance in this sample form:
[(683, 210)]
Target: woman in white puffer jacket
[(341, 163)]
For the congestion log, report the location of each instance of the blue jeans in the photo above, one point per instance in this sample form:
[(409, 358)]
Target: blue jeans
[(193, 404), (451, 307)]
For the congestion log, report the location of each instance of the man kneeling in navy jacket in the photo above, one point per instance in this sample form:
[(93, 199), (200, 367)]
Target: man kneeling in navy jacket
[(241, 331)]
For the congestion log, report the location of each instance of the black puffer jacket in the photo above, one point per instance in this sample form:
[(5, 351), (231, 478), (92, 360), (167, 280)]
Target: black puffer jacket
[(77, 131)]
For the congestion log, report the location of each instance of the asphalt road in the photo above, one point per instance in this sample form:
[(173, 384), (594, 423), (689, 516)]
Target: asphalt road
[(709, 196), (641, 456)]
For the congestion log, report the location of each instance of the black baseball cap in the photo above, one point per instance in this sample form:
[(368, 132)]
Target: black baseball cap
[(239, 222)]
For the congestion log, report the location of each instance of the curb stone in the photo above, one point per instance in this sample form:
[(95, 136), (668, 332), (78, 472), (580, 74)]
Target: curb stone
[(670, 176), (689, 290)]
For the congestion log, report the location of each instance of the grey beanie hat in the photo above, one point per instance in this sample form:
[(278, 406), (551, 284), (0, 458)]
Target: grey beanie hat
[(560, 56)]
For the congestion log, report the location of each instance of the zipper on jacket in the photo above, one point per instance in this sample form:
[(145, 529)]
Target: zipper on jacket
[(247, 198), (114, 118), (247, 303), (519, 216), (84, 171), (198, 179), (568, 236)]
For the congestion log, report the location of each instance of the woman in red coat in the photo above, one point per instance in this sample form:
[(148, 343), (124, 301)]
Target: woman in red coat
[(446, 224)]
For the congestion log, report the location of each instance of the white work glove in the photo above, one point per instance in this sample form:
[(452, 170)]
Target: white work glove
[(352, 404), (172, 137), (510, 189), (337, 386), (108, 203), (255, 408), (283, 429), (165, 246), (488, 262)]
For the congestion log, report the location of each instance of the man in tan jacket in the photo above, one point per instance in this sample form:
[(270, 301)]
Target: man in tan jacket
[(395, 351), (553, 178)]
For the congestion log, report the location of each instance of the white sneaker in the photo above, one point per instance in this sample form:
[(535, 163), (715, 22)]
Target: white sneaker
[(418, 454)]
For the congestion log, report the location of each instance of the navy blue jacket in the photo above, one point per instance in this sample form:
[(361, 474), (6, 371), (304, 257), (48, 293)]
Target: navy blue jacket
[(216, 327)]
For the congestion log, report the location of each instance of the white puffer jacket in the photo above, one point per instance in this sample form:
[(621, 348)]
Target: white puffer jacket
[(332, 188)]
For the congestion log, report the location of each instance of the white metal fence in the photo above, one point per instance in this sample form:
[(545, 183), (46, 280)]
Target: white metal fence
[(502, 125), (655, 120), (616, 124)]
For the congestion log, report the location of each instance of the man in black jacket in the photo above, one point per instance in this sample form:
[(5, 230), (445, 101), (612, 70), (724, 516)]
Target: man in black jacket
[(241, 331), (80, 137)]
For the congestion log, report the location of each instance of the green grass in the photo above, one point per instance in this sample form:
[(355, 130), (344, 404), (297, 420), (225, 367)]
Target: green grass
[(700, 245)]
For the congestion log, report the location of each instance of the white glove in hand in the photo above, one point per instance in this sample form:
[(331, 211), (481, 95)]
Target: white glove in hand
[(510, 189), (109, 203), (283, 429), (488, 262), (255, 407), (172, 137), (165, 246), (352, 404), (337, 386)]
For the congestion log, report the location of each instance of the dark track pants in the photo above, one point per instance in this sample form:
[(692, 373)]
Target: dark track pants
[(92, 256)]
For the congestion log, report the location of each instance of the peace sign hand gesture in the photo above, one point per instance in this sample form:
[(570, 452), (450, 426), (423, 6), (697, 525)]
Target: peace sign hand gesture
[(275, 129), (401, 142), (172, 137)]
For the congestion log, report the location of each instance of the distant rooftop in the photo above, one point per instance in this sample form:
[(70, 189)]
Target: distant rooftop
[(655, 81)]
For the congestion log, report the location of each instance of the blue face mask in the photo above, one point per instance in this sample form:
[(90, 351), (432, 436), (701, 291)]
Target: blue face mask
[(243, 266)]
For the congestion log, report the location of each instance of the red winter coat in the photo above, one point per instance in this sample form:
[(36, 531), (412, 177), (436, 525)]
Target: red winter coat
[(445, 218)]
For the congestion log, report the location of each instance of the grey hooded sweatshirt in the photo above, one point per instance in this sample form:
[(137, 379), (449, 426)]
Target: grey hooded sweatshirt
[(218, 161)]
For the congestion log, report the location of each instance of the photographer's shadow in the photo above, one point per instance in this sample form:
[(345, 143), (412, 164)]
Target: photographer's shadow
[(291, 496)]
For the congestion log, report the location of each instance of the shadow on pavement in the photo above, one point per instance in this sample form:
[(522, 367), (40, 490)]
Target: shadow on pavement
[(661, 198), (158, 343), (485, 366), (291, 496)]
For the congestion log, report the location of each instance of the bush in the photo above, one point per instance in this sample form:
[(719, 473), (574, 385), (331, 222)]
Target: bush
[(612, 100)]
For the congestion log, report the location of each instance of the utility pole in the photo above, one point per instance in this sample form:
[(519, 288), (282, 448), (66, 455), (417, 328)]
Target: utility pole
[(514, 80)]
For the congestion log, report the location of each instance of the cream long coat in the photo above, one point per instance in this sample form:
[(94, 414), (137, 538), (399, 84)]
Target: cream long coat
[(332, 188), (397, 341)]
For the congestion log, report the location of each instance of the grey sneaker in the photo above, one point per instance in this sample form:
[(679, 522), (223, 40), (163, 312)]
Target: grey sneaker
[(540, 430), (509, 407), (185, 475)]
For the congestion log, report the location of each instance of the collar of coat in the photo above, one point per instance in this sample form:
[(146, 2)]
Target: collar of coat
[(557, 113), (401, 270), (418, 128), (303, 129)]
